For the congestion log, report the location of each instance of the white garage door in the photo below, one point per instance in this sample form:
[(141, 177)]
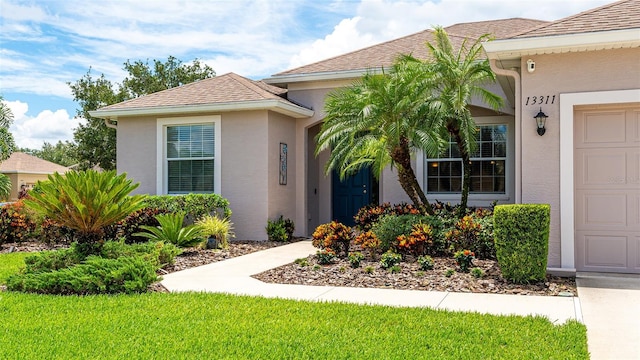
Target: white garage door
[(607, 189)]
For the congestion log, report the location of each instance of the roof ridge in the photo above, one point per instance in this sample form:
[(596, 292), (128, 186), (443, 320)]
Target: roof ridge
[(255, 88), (568, 18), (354, 51)]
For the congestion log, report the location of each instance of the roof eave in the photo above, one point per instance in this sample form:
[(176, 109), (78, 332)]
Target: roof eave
[(278, 106), (517, 47), (320, 76)]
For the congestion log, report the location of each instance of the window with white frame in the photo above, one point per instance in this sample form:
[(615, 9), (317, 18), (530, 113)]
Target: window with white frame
[(190, 158), (488, 165)]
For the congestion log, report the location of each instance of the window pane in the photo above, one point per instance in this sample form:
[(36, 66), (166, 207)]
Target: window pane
[(487, 167), (190, 163)]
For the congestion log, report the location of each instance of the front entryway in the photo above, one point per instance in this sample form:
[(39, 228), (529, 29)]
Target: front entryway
[(350, 195), (607, 189)]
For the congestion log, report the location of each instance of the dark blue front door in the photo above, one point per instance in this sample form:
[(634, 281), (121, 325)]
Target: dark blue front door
[(350, 195)]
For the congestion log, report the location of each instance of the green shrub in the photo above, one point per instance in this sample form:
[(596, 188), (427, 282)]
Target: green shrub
[(194, 206), (47, 261), (5, 187), (280, 229), (522, 241), (355, 258), (131, 224), (425, 262), (159, 253), (325, 256), (390, 259), (389, 227), (94, 276), (464, 258), (16, 223), (477, 273), (473, 232), (172, 231)]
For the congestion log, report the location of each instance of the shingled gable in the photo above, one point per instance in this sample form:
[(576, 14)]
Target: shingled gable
[(384, 54), (21, 163), (612, 26), (228, 92)]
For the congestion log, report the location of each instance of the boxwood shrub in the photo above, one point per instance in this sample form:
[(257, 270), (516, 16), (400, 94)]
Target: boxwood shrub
[(194, 205), (521, 233)]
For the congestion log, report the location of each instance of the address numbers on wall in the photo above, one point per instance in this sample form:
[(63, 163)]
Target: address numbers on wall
[(540, 100)]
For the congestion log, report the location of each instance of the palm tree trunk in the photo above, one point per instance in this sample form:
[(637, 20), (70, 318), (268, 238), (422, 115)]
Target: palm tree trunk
[(407, 178), (466, 169)]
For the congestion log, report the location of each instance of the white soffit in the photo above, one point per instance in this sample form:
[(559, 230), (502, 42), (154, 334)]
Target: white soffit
[(557, 44)]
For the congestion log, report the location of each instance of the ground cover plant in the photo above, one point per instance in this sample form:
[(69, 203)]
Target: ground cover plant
[(196, 326)]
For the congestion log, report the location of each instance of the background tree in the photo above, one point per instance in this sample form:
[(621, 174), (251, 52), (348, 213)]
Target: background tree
[(455, 77), (7, 144), (62, 153), (96, 143), (380, 121)]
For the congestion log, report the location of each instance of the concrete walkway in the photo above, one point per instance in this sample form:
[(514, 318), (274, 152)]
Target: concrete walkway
[(611, 312), (609, 305)]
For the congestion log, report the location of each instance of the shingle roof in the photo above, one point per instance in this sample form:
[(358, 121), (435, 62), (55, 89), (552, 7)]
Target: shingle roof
[(227, 88), (384, 54), (620, 15), (20, 162)]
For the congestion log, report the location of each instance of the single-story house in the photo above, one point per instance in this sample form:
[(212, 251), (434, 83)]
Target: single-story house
[(253, 141), (25, 171)]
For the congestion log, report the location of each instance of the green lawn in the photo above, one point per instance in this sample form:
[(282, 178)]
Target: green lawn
[(10, 263), (197, 326)]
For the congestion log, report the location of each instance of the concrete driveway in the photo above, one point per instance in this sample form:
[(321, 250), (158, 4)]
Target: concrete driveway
[(611, 311)]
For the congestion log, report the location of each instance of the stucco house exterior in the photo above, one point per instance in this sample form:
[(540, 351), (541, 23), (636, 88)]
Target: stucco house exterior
[(253, 141), (25, 170)]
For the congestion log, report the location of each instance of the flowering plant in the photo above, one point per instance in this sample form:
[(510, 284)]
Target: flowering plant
[(334, 235), (464, 258), (418, 240)]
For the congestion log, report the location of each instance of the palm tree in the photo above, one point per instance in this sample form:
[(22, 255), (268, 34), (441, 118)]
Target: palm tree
[(6, 139), (456, 76), (376, 122)]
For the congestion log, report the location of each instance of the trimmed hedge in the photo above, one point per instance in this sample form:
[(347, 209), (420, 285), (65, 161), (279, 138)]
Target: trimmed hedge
[(521, 233), (194, 205)]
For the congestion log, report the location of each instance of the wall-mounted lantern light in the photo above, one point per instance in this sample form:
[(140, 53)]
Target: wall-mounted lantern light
[(541, 120)]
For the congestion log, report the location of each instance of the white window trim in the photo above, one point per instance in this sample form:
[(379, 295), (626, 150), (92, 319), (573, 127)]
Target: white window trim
[(509, 163), (568, 102), (161, 149)]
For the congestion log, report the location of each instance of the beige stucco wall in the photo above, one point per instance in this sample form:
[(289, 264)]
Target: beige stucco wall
[(554, 75), (136, 152), (19, 179), (245, 167), (282, 198)]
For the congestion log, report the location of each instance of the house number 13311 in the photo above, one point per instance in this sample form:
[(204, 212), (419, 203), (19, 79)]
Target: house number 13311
[(541, 100)]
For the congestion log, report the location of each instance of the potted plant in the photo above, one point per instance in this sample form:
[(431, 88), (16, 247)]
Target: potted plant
[(217, 230)]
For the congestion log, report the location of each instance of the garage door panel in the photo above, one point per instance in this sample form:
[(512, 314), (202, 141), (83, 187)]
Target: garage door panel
[(597, 167), (607, 190), (602, 127), (605, 250), (598, 210)]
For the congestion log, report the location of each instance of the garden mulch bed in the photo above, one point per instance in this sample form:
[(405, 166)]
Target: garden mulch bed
[(341, 274), (411, 277)]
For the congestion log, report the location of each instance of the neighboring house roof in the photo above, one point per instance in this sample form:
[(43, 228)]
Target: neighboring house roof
[(228, 92), (384, 54), (611, 26), (23, 163)]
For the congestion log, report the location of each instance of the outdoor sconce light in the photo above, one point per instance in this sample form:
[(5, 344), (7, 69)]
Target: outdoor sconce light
[(541, 120)]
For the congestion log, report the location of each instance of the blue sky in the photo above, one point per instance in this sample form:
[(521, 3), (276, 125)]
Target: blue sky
[(44, 44)]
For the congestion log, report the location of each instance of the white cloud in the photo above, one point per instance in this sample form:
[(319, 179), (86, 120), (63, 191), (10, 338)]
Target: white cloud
[(380, 20), (48, 126)]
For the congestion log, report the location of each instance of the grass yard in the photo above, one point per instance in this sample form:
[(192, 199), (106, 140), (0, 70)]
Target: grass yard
[(10, 263), (196, 326)]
